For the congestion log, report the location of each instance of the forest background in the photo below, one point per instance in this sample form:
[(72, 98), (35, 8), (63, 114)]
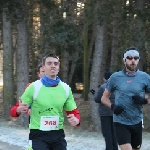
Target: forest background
[(89, 36)]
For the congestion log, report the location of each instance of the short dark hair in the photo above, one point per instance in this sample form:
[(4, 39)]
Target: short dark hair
[(107, 74), (49, 55), (39, 66)]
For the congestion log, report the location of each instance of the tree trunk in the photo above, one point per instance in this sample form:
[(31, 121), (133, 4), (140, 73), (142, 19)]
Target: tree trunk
[(114, 49), (8, 80), (65, 66), (22, 56), (73, 66), (139, 44), (139, 40), (46, 18), (33, 48), (86, 52), (95, 74), (85, 63), (65, 53)]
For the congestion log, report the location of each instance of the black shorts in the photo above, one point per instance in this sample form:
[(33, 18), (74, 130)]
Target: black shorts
[(129, 134), (47, 140)]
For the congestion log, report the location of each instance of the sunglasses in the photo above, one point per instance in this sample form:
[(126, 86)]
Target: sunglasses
[(130, 57)]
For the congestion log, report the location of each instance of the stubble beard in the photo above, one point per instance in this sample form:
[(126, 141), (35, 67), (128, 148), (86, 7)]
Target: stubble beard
[(131, 67)]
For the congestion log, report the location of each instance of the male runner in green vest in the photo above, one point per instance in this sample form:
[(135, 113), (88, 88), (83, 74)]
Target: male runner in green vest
[(46, 123)]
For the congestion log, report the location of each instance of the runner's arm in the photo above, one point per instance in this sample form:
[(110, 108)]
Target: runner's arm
[(98, 95), (74, 117), (27, 97), (105, 98), (72, 110), (13, 110), (76, 114)]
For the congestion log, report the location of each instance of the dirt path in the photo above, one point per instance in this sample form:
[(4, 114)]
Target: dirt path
[(78, 138), (7, 146)]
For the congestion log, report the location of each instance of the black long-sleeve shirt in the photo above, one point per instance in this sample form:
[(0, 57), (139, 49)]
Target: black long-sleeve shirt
[(103, 110)]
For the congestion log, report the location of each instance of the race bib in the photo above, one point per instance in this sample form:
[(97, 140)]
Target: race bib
[(48, 123)]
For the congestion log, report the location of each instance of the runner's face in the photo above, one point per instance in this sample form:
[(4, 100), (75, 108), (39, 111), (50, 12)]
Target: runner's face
[(131, 63), (51, 67), (41, 73)]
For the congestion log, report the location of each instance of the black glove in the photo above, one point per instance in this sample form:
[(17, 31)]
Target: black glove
[(116, 109), (139, 100), (92, 91)]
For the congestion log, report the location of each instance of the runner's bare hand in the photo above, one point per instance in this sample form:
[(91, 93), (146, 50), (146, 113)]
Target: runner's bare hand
[(72, 120)]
